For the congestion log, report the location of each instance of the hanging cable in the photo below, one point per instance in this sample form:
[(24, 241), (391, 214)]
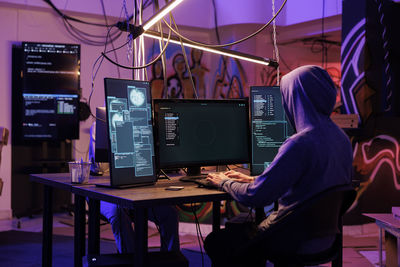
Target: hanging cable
[(84, 37), (276, 51), (129, 37), (324, 48), (224, 59), (112, 42), (99, 61), (199, 235), (141, 44), (216, 22), (71, 18), (163, 62), (228, 44), (186, 61), (163, 57), (143, 66)]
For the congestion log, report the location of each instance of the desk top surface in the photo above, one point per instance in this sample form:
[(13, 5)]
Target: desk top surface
[(386, 218), (143, 196), (57, 180)]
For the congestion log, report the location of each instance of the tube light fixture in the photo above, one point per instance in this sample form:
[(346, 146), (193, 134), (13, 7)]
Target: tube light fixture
[(160, 14), (219, 51)]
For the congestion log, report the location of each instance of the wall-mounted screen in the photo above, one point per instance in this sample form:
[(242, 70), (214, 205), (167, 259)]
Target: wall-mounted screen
[(46, 83)]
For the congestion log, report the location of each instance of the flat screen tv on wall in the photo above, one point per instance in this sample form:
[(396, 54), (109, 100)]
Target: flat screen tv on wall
[(46, 83)]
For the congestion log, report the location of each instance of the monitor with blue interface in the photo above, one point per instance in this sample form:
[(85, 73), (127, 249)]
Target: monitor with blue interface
[(191, 133), (269, 126), (130, 132)]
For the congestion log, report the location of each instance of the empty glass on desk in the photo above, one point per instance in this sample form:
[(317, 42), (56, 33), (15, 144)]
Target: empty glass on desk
[(79, 172)]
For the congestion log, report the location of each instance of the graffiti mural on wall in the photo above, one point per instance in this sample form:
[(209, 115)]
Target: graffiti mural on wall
[(229, 80), (370, 156), (157, 80), (198, 72), (366, 91), (178, 84), (356, 94), (268, 76), (377, 167)]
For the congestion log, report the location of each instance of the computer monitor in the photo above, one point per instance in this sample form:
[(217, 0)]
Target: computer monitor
[(101, 137), (191, 133), (269, 126), (46, 84), (130, 132)]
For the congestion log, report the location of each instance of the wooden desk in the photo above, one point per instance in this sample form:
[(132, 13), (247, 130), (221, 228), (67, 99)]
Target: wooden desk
[(138, 198), (61, 181), (391, 228)]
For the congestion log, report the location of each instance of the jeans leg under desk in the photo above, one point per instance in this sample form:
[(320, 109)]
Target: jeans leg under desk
[(140, 217), (94, 227), (47, 243), (79, 230)]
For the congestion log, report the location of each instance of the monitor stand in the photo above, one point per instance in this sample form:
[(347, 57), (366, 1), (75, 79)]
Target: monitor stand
[(193, 174), (193, 171)]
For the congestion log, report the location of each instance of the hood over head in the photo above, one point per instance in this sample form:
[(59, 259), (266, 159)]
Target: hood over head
[(309, 96)]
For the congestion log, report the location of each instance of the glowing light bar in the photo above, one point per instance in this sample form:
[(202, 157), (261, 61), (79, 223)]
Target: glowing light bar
[(160, 14), (219, 51)]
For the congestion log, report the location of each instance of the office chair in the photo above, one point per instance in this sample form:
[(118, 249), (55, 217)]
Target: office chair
[(319, 219)]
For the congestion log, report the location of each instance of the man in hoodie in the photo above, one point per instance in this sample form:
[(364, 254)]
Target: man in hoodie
[(317, 157)]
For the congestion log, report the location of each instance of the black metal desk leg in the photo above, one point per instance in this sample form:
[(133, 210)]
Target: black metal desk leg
[(216, 213), (140, 217), (47, 248), (79, 229), (391, 250), (94, 227)]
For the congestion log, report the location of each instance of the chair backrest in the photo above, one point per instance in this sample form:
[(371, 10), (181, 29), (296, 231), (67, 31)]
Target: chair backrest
[(316, 218)]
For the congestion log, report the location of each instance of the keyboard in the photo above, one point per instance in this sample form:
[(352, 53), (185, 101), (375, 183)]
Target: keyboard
[(200, 180), (205, 183), (192, 178)]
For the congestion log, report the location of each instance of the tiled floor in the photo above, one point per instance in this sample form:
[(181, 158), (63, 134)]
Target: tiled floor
[(360, 242)]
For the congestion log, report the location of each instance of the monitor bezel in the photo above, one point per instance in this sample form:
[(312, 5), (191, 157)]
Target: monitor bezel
[(176, 165), (126, 178)]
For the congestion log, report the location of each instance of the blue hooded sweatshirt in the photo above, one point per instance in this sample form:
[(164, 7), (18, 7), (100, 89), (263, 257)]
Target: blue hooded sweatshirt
[(317, 157)]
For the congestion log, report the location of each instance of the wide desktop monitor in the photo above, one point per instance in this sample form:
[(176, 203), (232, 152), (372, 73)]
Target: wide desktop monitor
[(191, 133), (130, 132), (269, 126)]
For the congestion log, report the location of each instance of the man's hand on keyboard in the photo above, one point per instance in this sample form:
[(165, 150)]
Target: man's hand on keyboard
[(216, 178), (239, 177)]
